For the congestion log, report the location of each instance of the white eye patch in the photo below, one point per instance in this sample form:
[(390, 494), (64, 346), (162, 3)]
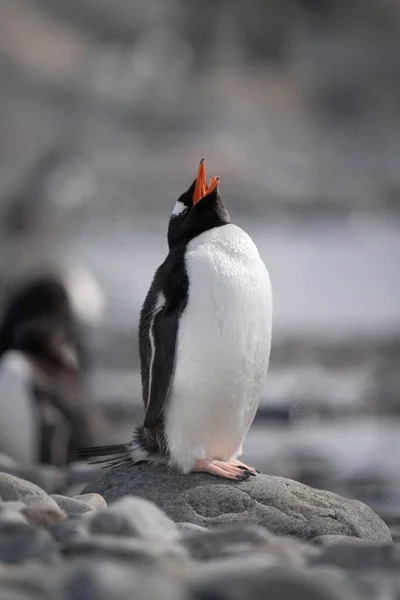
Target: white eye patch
[(179, 208)]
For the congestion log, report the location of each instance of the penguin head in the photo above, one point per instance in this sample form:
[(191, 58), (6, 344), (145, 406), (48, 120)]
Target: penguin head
[(197, 210)]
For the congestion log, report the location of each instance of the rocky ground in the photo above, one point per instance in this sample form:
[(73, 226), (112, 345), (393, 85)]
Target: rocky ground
[(98, 138), (144, 533)]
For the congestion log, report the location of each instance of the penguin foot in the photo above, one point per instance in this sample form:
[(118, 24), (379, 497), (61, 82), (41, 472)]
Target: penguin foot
[(241, 465), (223, 469)]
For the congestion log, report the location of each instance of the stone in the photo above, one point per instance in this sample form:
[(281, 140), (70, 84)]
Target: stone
[(10, 512), (38, 510), (327, 540), (48, 477), (71, 529), (244, 540), (395, 532), (190, 528), (80, 578), (134, 517), (94, 500), (34, 501), (360, 556), (15, 488), (43, 516), (283, 506), (238, 580), (72, 506), (102, 580), (170, 558), (20, 542)]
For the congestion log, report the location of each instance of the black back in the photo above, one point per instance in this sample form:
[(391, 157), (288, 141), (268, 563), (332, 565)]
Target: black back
[(37, 317), (159, 323)]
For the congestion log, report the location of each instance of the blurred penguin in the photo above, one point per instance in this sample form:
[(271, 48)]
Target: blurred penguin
[(44, 411)]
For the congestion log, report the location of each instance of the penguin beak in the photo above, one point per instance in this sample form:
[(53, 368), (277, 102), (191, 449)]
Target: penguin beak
[(201, 189)]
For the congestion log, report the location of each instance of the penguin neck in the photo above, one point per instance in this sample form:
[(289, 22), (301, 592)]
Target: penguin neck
[(184, 238)]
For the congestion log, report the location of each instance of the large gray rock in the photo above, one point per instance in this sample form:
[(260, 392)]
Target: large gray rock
[(283, 506)]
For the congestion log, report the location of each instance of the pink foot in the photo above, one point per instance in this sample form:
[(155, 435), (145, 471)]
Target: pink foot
[(222, 469), (239, 463)]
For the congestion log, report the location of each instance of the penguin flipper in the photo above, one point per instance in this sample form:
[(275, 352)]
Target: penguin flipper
[(164, 332)]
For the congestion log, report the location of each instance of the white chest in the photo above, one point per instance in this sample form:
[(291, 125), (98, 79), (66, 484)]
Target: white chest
[(223, 347)]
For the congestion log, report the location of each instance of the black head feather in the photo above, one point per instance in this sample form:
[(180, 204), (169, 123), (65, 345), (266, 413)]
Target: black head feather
[(188, 221)]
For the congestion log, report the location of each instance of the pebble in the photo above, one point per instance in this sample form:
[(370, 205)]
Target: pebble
[(81, 579), (94, 500), (73, 506), (15, 488), (102, 580), (134, 517), (237, 580), (327, 540), (50, 478), (190, 527), (20, 542), (10, 512), (43, 516), (170, 558), (66, 531), (244, 540), (360, 556)]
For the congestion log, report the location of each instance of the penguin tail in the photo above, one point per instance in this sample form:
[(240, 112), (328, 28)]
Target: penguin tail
[(117, 455), (136, 451)]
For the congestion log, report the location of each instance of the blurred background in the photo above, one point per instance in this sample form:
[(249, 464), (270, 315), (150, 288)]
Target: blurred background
[(106, 107)]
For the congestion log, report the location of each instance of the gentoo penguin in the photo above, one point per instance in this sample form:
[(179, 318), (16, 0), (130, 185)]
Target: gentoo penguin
[(204, 341), (44, 412)]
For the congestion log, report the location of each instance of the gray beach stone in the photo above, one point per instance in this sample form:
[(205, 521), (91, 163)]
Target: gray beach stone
[(283, 506), (78, 579), (42, 501), (15, 488), (238, 580), (94, 500), (328, 540), (170, 558), (104, 580), (395, 532), (72, 506), (20, 542), (190, 528), (362, 556), (48, 477), (10, 512), (245, 540), (71, 529), (43, 516), (134, 517)]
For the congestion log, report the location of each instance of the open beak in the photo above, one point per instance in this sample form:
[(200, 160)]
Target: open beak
[(201, 189)]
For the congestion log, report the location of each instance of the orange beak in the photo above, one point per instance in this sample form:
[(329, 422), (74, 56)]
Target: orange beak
[(201, 189)]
